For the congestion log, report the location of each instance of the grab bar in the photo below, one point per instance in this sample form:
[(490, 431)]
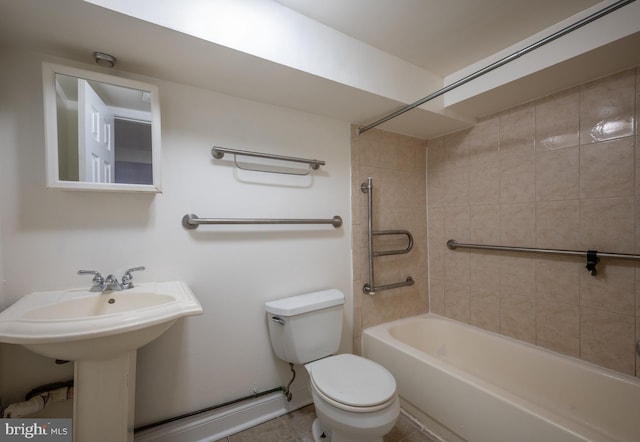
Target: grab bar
[(218, 152), (394, 232), (593, 256), (191, 221), (370, 288), (373, 290)]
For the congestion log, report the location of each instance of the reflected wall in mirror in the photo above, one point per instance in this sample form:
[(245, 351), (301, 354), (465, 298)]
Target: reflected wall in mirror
[(102, 132)]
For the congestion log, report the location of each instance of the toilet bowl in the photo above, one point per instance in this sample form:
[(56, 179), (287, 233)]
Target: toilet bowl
[(355, 398)]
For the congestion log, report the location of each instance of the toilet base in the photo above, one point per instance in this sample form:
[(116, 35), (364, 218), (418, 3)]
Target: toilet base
[(322, 434), (319, 433)]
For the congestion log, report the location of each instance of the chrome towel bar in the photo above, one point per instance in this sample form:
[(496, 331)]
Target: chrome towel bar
[(593, 256), (394, 232), (218, 152), (370, 288), (191, 221)]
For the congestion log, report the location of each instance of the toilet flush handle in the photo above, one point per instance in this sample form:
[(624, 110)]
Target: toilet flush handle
[(278, 319)]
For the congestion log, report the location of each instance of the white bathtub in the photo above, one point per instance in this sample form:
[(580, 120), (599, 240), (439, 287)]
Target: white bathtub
[(465, 383)]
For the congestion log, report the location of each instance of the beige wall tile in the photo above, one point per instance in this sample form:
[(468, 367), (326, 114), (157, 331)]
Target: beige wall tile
[(518, 317), (517, 225), (637, 116), (484, 224), (412, 153), (386, 306), (357, 308), (612, 289), (607, 225), (484, 143), (456, 221), (484, 309), (484, 271), (557, 121), (558, 224), (456, 300), (435, 153), (558, 327), (607, 169), (436, 296), (607, 339), (381, 150), (637, 289), (518, 274), (607, 108), (637, 223), (637, 149), (517, 131), (456, 147), (456, 266), (484, 183), (637, 340), (456, 186), (558, 279), (517, 179), (357, 250), (558, 174), (437, 242), (436, 187)]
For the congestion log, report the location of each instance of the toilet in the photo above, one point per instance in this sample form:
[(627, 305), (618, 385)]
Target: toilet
[(355, 398)]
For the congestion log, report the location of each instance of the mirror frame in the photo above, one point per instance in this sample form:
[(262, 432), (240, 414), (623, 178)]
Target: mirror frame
[(49, 71)]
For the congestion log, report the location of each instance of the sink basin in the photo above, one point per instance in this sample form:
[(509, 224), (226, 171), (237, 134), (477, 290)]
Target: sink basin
[(78, 324), (92, 306)]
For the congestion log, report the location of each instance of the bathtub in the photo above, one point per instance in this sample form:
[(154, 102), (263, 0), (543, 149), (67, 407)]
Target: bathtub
[(465, 383)]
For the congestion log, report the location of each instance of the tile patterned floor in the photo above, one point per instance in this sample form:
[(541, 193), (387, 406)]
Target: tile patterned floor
[(296, 427)]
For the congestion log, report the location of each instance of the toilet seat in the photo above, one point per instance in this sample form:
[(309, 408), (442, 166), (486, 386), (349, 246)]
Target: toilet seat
[(353, 383)]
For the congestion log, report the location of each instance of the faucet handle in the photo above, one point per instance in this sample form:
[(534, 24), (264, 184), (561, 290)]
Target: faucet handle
[(98, 280), (127, 277), (97, 277)]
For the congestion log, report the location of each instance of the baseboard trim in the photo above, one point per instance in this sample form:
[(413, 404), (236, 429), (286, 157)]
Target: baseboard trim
[(218, 424)]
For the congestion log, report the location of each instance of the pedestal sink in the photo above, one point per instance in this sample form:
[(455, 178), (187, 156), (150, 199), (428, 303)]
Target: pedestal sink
[(101, 333)]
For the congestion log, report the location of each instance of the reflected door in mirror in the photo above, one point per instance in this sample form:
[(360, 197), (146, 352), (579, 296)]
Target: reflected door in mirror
[(96, 155)]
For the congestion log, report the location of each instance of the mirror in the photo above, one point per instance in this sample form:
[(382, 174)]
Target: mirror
[(102, 132)]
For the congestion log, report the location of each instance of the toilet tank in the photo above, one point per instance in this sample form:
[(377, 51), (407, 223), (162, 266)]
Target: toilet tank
[(306, 327)]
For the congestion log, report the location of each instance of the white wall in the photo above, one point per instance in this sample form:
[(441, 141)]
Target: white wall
[(47, 235)]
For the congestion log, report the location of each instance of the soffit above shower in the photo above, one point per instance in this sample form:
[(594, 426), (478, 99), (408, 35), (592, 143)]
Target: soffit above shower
[(313, 64)]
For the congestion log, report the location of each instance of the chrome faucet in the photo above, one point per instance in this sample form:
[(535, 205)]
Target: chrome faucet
[(110, 283)]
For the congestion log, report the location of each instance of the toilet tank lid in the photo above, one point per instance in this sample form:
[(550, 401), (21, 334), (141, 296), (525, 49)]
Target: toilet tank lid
[(296, 305)]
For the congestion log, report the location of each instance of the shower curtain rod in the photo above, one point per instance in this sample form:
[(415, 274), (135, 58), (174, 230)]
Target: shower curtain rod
[(601, 13)]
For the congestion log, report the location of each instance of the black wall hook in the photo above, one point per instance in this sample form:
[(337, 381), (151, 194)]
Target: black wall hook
[(592, 261)]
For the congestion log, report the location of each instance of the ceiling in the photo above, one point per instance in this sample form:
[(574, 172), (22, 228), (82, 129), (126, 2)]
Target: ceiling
[(442, 36), (358, 60)]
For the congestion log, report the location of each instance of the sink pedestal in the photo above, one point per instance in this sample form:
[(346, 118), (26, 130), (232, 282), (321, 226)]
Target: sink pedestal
[(104, 399), (101, 332)]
